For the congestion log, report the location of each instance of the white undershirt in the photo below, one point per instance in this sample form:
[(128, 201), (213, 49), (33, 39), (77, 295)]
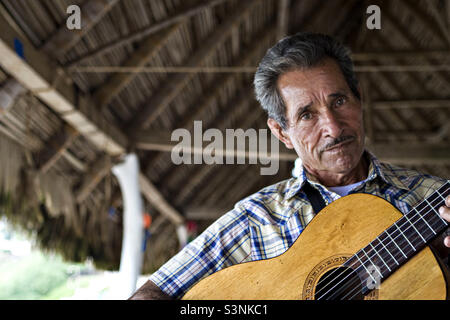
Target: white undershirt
[(344, 190)]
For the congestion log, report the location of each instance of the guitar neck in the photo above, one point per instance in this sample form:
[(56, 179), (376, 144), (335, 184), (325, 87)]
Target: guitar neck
[(401, 241)]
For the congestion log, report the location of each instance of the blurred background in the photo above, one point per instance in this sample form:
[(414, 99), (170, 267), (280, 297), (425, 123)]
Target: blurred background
[(74, 102)]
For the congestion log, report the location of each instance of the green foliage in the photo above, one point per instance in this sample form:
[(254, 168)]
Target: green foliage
[(36, 277)]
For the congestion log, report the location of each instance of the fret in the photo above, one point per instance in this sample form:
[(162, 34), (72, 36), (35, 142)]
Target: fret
[(421, 217), (418, 222), (444, 190), (378, 254), (395, 243), (401, 232), (412, 234), (440, 195), (382, 244), (400, 241), (434, 211), (362, 264), (417, 231), (373, 264)]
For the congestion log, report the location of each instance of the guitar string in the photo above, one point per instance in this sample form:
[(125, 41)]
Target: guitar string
[(400, 233), (381, 242), (412, 224), (366, 278), (357, 280), (363, 281)]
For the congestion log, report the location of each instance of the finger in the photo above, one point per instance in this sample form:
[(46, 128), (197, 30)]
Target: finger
[(447, 201), (447, 241), (445, 213)]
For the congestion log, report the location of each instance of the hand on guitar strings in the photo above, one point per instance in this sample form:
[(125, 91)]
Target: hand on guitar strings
[(444, 211)]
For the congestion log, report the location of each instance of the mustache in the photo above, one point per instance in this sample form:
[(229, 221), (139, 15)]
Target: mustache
[(337, 141)]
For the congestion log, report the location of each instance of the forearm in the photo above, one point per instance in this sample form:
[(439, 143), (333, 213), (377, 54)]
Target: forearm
[(150, 291)]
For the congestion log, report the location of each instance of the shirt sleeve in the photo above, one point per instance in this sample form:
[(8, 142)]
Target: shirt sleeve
[(224, 243)]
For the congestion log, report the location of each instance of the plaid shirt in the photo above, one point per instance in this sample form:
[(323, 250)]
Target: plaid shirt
[(265, 224)]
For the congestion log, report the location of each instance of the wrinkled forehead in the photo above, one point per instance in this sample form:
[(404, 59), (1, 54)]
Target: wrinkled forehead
[(327, 72), (305, 84)]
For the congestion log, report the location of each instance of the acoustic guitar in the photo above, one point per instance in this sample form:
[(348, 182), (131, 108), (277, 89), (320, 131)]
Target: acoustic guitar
[(358, 247)]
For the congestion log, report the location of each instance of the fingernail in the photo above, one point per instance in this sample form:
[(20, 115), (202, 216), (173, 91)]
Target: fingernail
[(441, 210)]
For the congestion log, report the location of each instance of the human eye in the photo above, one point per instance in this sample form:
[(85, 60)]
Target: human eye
[(340, 101), (306, 116)]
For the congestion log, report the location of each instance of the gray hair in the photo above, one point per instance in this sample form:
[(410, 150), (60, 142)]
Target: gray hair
[(302, 50)]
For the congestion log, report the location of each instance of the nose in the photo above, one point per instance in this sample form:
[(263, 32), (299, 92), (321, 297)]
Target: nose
[(332, 125)]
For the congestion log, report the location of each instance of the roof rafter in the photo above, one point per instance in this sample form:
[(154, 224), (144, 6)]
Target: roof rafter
[(414, 77), (167, 95), (160, 141), (64, 39), (149, 111), (54, 147), (283, 18), (36, 73), (149, 47), (211, 94), (181, 14), (444, 76), (196, 179), (432, 24)]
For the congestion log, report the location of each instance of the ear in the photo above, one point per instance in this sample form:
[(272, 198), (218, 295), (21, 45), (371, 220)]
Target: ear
[(278, 132)]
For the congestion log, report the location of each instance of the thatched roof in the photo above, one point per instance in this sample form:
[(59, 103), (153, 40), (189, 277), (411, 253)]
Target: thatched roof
[(69, 125)]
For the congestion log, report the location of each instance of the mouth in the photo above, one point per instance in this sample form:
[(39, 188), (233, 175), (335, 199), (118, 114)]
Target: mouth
[(340, 145)]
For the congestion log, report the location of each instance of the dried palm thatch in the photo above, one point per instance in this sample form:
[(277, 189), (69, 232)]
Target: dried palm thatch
[(55, 178)]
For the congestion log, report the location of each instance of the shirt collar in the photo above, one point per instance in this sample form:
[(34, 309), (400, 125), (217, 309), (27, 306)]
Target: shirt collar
[(376, 170)]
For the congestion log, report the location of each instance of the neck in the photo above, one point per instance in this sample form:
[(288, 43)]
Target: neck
[(402, 240), (333, 179)]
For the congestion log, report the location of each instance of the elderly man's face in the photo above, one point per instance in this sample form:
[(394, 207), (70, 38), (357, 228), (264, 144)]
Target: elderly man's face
[(325, 125)]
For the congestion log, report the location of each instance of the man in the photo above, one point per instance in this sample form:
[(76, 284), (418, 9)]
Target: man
[(307, 86)]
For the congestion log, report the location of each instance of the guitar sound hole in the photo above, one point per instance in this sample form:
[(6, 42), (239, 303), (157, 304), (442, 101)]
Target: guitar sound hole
[(339, 284)]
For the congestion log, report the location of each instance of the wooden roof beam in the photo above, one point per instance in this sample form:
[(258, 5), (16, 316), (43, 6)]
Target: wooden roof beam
[(146, 51), (283, 18), (312, 15), (240, 102), (36, 73), (220, 174), (64, 39), (97, 171), (179, 16), (226, 185), (412, 153), (211, 94), (447, 14), (153, 196), (421, 114), (417, 103), (405, 54), (158, 141), (149, 111), (444, 76), (9, 93), (199, 176), (54, 148), (433, 24)]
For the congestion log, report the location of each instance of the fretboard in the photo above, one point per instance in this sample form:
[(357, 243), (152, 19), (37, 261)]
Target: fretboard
[(401, 241)]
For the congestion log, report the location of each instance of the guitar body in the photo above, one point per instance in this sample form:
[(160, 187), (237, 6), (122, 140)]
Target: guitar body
[(336, 233)]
